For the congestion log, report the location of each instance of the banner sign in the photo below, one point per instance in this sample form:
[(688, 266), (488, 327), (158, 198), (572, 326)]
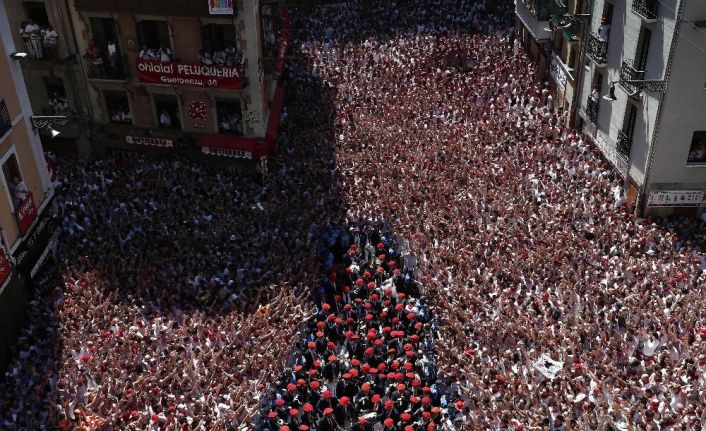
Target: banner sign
[(33, 251), (25, 214), (4, 266), (677, 198), (556, 70), (548, 366), (150, 141), (190, 75), (227, 152), (220, 7)]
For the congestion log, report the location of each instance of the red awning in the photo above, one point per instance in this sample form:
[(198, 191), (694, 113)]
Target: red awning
[(232, 146), (275, 115)]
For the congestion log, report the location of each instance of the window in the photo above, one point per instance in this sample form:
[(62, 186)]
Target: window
[(37, 12), (13, 177), (230, 119), (167, 109), (219, 45), (58, 102), (697, 151), (155, 44), (218, 37), (104, 56), (643, 48), (118, 108)]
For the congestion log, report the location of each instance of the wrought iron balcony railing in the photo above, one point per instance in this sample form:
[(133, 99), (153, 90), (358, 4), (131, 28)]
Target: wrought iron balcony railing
[(592, 109), (597, 49), (629, 73), (5, 120), (647, 9), (624, 144)]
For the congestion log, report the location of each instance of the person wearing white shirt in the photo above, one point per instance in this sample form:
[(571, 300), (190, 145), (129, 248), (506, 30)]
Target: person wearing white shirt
[(165, 120), (165, 55)]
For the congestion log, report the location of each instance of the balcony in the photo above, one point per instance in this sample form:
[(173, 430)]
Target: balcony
[(5, 120), (104, 67), (624, 145), (629, 73), (597, 50), (534, 15), (592, 110), (646, 9), (184, 8)]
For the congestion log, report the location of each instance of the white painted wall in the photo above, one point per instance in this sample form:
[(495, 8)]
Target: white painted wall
[(684, 109)]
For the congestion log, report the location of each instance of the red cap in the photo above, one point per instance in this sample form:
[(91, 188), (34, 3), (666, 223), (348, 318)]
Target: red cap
[(284, 428), (365, 386), (272, 415), (371, 285), (344, 401), (327, 393), (293, 412), (291, 387), (279, 402), (375, 398), (362, 420), (328, 411), (405, 416), (314, 384), (311, 344), (389, 422), (401, 387), (326, 307), (303, 427), (308, 408), (459, 405)]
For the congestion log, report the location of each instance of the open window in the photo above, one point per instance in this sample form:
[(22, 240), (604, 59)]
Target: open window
[(230, 118), (104, 56), (13, 178), (643, 48), (220, 43), (697, 151), (118, 107), (155, 44), (167, 110), (58, 102)]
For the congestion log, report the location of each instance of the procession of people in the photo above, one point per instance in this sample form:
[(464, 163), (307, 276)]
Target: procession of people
[(432, 249)]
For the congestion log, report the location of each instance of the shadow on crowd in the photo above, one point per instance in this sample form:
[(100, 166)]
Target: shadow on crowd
[(153, 253)]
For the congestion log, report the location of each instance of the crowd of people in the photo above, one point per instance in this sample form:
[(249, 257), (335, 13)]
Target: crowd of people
[(180, 292)]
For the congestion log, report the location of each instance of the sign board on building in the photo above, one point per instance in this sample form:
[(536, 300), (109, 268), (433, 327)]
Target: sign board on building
[(191, 75), (556, 69), (677, 198), (227, 152), (5, 268), (150, 141), (25, 214), (220, 7)]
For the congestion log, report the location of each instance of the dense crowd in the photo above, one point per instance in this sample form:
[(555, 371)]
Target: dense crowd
[(180, 292)]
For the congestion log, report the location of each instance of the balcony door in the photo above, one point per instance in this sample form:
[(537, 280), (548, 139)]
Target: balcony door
[(643, 48)]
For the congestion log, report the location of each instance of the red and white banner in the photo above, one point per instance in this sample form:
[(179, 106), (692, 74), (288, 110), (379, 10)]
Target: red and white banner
[(5, 268), (25, 214), (190, 75)]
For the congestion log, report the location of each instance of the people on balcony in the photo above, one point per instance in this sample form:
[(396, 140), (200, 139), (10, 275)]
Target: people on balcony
[(148, 54), (59, 104), (225, 57), (121, 115), (604, 29), (94, 57), (32, 37), (229, 120), (50, 39), (595, 94), (165, 54)]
